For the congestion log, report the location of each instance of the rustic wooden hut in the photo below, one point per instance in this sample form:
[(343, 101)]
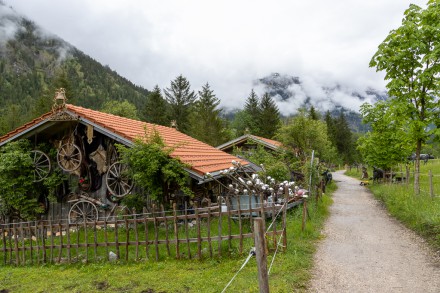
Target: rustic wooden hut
[(85, 143)]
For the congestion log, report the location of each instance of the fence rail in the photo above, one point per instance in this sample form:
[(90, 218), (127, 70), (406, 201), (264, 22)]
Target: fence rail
[(147, 236), (429, 182)]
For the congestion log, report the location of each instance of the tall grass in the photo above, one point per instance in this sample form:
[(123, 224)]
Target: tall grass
[(290, 272), (420, 212)]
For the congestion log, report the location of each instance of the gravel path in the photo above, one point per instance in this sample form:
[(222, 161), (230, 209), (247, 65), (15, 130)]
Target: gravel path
[(365, 250)]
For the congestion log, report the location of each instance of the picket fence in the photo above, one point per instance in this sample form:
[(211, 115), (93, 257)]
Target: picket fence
[(197, 233)]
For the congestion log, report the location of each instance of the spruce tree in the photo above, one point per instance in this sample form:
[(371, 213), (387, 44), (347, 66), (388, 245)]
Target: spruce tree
[(252, 110), (313, 114), (344, 141), (181, 98), (206, 123), (269, 117), (331, 127), (156, 108)]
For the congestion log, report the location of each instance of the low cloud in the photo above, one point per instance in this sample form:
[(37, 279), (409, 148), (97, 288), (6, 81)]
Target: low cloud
[(8, 24)]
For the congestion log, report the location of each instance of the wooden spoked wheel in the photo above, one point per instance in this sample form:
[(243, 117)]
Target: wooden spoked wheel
[(69, 157), (112, 155), (41, 165), (117, 180), (83, 211), (119, 212)]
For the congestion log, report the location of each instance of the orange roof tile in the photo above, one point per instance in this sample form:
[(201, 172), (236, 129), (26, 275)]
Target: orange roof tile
[(271, 141), (200, 156)]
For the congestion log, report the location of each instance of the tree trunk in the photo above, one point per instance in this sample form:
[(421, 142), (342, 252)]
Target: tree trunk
[(417, 168)]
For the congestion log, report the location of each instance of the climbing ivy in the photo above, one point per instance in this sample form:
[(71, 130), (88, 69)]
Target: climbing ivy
[(20, 197), (152, 167)]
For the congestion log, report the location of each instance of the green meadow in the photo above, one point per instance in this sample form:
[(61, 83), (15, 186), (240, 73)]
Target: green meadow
[(290, 271)]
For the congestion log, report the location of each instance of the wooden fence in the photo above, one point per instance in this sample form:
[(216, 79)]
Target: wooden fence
[(429, 182), (201, 232)]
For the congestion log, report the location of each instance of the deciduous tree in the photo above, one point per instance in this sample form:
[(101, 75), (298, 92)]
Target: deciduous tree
[(302, 135), (20, 196), (410, 57), (123, 109), (387, 143), (152, 168)]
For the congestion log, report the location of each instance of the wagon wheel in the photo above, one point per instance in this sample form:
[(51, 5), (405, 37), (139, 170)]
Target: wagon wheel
[(119, 212), (112, 154), (83, 211), (41, 165), (117, 180), (69, 157)]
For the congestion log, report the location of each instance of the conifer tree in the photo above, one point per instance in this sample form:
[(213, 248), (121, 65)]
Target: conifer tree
[(252, 111), (269, 117), (331, 127), (181, 98), (206, 123), (313, 114), (344, 141), (156, 108)]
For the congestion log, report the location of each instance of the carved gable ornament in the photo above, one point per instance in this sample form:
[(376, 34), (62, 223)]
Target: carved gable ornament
[(59, 107)]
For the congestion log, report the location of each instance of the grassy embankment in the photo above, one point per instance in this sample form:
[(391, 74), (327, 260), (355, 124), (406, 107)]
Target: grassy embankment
[(420, 213), (291, 271)]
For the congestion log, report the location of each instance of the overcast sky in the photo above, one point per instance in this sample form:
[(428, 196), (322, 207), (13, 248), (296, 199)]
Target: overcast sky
[(227, 43)]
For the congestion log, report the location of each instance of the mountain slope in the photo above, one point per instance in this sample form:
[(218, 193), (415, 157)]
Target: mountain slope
[(292, 93), (34, 63)]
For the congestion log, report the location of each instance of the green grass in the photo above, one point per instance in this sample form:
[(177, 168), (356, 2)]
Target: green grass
[(291, 271), (420, 213)]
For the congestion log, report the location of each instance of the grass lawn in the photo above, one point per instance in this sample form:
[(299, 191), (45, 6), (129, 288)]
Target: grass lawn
[(420, 213), (290, 272)]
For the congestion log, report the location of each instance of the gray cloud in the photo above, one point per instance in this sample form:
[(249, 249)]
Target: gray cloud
[(9, 28), (229, 43)]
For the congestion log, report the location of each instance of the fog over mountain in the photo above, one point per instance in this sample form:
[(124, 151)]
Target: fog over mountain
[(290, 91), (293, 92), (231, 44)]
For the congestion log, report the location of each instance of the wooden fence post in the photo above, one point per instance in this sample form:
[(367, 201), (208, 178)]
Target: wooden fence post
[(209, 228), (188, 247), (156, 233), (220, 212), (286, 200), (176, 230), (304, 214), (165, 218), (136, 233), (229, 208), (198, 229), (431, 187), (260, 254), (147, 243)]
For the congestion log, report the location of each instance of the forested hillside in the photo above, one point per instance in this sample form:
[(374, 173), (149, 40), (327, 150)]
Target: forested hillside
[(33, 64)]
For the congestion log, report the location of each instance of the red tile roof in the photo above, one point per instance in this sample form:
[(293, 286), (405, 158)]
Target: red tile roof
[(270, 141), (200, 156)]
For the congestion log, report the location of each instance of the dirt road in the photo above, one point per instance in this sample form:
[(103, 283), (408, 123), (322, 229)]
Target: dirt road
[(365, 250)]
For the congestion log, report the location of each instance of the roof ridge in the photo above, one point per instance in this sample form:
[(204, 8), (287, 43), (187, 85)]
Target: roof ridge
[(188, 149)]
